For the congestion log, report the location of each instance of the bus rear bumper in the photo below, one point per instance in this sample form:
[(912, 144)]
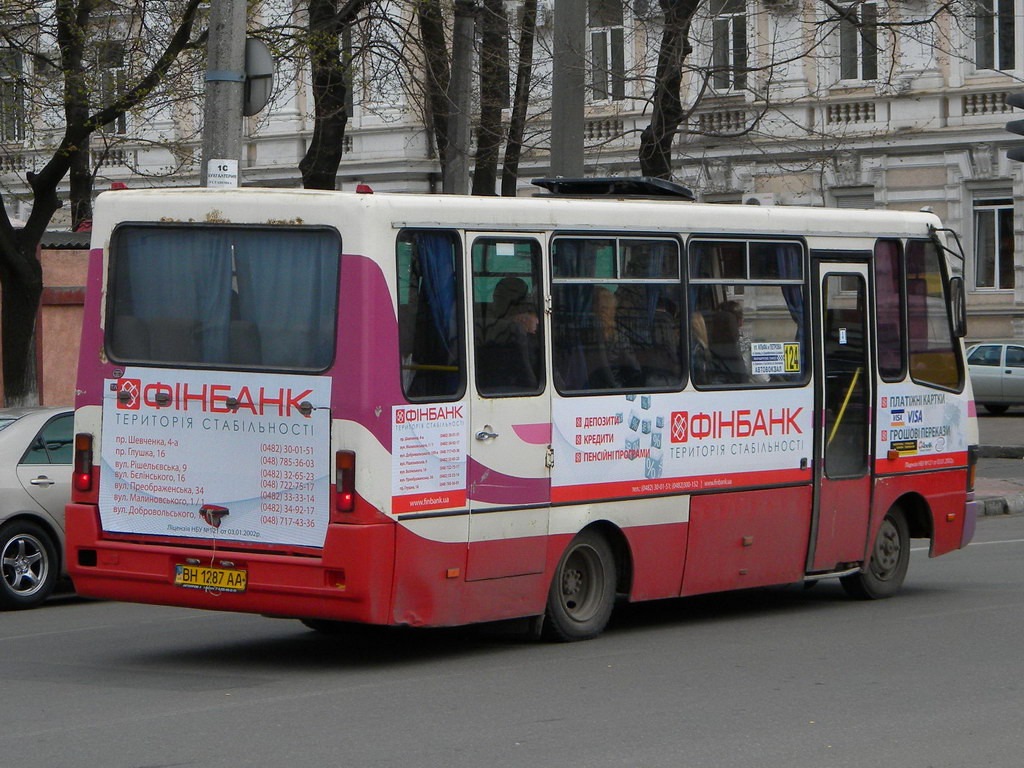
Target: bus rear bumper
[(355, 586), (971, 511)]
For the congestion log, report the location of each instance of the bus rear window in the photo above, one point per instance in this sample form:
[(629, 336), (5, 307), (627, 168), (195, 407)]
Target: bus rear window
[(223, 296)]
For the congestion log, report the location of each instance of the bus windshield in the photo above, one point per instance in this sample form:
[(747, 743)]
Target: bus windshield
[(226, 297)]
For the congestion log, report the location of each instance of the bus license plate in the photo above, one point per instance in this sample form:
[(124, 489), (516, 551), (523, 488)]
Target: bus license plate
[(197, 577)]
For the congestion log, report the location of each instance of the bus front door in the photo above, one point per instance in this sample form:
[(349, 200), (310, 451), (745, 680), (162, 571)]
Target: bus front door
[(842, 498), (508, 478)]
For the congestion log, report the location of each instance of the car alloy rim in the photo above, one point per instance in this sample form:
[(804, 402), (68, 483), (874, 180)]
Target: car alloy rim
[(24, 565)]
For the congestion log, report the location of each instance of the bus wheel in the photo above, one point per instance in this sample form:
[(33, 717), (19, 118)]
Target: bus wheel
[(583, 590), (28, 562), (885, 570)]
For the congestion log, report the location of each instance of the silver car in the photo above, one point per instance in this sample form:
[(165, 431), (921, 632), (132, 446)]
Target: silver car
[(36, 450), (997, 374)]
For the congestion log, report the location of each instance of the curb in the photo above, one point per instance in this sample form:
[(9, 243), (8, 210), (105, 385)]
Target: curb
[(1000, 452), (1001, 505)]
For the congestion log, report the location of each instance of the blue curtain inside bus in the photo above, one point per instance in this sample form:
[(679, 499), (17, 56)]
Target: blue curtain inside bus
[(227, 297)]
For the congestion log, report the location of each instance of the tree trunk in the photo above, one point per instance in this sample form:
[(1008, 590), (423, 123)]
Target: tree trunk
[(493, 95), (520, 101), (22, 287), (319, 166), (438, 74), (667, 108)]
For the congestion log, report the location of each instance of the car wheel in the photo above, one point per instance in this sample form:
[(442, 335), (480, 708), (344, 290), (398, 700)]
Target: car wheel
[(28, 561), (996, 410), (886, 568), (582, 592)]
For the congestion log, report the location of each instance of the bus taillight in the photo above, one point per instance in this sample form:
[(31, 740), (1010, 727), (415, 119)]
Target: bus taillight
[(345, 481), (972, 466), (83, 462)]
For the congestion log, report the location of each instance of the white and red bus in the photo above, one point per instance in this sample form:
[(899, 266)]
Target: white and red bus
[(438, 410)]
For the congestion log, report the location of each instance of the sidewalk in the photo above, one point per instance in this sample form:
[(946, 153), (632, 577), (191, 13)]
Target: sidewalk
[(999, 484)]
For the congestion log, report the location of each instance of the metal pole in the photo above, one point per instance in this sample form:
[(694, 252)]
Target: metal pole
[(456, 176), (225, 92), (569, 66)]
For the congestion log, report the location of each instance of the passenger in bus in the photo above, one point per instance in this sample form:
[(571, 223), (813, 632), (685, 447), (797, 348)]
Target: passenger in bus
[(612, 362), (699, 352), (648, 319), (511, 353), (728, 365)]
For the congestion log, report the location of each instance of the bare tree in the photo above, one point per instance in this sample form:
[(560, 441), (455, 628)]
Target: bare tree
[(493, 95), (666, 103), (330, 21), (520, 99), (66, 38)]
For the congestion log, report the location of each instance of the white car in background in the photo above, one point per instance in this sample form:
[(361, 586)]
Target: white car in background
[(997, 374), (36, 450)]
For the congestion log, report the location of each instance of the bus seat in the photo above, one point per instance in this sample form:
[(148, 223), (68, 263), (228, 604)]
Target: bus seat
[(244, 343), (284, 347), (129, 337), (175, 339), (726, 364)]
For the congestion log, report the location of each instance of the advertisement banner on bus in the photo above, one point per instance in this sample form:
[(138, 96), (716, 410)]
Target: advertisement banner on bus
[(635, 445), (204, 454), (428, 468), (920, 428)]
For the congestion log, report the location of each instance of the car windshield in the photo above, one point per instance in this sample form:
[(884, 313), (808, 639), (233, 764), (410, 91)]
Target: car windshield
[(5, 423)]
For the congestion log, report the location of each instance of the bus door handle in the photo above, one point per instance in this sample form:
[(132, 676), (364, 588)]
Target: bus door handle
[(486, 434)]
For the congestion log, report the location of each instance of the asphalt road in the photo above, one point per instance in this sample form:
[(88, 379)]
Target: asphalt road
[(775, 677)]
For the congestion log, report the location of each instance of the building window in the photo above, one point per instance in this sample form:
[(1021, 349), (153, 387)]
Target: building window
[(111, 85), (12, 97), (858, 42), (993, 244), (993, 34), (607, 50), (729, 44)]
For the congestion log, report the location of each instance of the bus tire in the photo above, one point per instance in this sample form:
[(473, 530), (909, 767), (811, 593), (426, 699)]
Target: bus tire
[(582, 591), (883, 574), (28, 561)]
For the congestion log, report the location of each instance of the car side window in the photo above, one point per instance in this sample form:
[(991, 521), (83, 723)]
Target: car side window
[(986, 355), (1015, 357), (54, 443)]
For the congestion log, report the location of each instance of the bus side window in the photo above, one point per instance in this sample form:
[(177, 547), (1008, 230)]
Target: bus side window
[(430, 323), (616, 321), (508, 333), (933, 357), (747, 313), (890, 299)]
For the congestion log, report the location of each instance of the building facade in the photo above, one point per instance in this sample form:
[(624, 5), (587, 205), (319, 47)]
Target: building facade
[(789, 102)]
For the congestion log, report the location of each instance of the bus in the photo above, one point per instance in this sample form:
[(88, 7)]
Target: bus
[(427, 410)]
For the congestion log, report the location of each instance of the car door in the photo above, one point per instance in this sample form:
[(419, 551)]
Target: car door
[(45, 468), (986, 372), (1013, 374)]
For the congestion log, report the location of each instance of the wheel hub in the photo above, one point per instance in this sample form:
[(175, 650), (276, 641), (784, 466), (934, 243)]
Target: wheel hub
[(887, 551), (20, 560), (572, 582)]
